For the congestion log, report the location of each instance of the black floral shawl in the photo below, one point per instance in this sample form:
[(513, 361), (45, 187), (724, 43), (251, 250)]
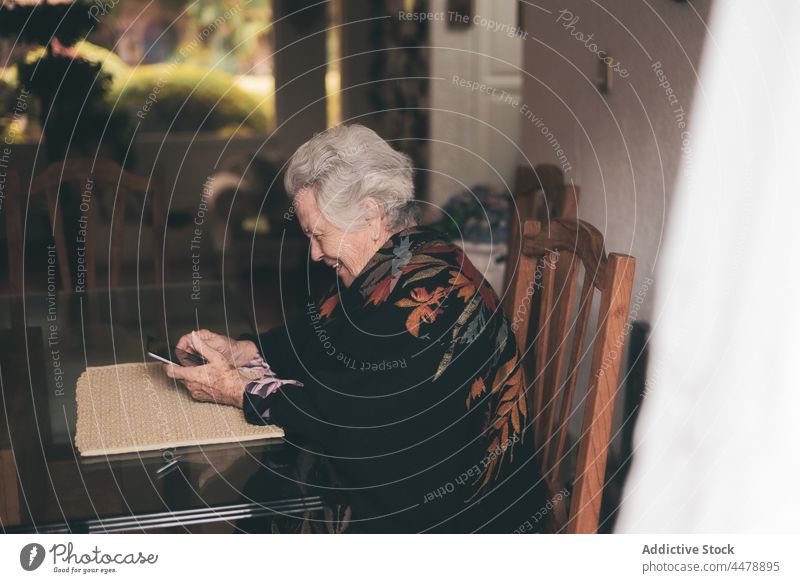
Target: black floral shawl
[(413, 391)]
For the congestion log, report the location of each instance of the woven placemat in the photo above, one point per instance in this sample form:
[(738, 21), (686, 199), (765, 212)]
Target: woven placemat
[(135, 407)]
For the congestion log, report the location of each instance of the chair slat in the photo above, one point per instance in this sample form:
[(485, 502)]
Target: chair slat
[(158, 216), (562, 328), (57, 225), (599, 411), (91, 235), (513, 253), (83, 172), (566, 276), (574, 365), (523, 294), (14, 232), (116, 236), (542, 393), (539, 195)]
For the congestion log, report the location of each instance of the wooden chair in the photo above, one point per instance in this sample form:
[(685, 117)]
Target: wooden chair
[(89, 174), (540, 194), (553, 358)]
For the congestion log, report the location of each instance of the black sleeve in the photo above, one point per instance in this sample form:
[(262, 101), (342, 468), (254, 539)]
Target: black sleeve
[(280, 347), (381, 396), (254, 408)]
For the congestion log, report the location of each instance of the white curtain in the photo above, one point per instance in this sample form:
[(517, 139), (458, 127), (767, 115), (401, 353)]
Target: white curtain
[(717, 445)]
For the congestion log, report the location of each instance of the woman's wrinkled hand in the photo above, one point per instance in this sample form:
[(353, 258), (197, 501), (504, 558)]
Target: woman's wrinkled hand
[(236, 352), (218, 381)]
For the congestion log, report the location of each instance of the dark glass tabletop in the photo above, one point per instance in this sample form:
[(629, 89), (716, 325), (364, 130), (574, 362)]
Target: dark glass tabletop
[(46, 341)]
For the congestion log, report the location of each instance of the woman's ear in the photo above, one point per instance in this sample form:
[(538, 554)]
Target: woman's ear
[(372, 211)]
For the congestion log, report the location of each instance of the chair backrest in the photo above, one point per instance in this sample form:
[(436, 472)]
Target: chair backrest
[(89, 174), (540, 194), (555, 258)]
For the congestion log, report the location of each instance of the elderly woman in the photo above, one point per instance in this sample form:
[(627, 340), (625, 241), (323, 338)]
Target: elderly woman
[(405, 374)]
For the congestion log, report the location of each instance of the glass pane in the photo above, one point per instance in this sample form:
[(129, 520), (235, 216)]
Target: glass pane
[(333, 72), (199, 65), (175, 66)]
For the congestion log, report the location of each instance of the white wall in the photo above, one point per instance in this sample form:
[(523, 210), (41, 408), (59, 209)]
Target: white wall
[(624, 148), (475, 135)]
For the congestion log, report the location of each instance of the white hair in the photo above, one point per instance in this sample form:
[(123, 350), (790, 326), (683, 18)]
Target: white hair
[(347, 164)]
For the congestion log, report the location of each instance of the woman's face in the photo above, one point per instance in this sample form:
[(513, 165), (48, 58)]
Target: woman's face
[(350, 248)]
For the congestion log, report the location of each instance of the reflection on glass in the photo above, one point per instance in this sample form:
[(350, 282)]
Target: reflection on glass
[(176, 65)]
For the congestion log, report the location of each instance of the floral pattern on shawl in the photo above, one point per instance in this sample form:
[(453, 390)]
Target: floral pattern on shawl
[(425, 276)]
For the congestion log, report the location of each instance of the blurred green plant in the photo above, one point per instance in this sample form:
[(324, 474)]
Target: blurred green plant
[(191, 98), (70, 90), (73, 104), (85, 88)]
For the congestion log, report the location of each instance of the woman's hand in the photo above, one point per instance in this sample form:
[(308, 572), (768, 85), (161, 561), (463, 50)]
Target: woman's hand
[(236, 352), (218, 381)]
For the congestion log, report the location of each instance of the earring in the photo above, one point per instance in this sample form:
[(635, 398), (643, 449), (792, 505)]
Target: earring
[(375, 245)]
